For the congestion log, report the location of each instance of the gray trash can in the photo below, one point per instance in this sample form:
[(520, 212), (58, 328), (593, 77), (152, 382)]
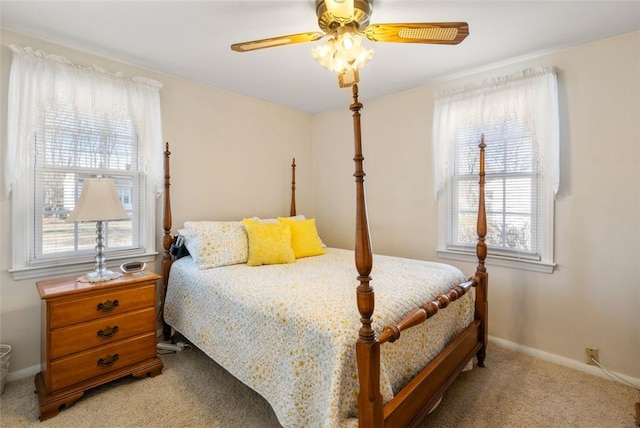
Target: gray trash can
[(5, 355)]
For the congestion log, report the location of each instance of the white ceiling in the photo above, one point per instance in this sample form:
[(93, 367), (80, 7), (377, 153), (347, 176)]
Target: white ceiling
[(191, 39)]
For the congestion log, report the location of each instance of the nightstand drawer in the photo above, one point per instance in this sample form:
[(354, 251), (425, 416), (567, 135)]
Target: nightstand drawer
[(75, 338), (96, 362), (101, 305)]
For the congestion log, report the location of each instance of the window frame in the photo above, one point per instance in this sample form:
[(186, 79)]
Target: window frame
[(545, 227)]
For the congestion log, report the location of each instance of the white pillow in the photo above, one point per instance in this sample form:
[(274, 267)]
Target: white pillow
[(217, 243)]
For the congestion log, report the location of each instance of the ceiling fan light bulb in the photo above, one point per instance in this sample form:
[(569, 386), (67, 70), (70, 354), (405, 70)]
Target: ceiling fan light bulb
[(347, 41)]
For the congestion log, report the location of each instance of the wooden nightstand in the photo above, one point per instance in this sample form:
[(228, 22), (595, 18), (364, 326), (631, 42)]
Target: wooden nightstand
[(93, 333)]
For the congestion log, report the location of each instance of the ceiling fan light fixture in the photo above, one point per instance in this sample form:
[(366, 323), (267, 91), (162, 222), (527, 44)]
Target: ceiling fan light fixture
[(342, 54)]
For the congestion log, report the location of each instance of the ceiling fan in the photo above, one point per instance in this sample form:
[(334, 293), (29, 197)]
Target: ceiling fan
[(344, 21)]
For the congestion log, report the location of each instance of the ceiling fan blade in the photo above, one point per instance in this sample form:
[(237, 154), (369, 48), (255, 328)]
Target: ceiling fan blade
[(445, 33), (276, 41)]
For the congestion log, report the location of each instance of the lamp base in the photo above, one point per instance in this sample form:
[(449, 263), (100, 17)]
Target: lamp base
[(95, 276)]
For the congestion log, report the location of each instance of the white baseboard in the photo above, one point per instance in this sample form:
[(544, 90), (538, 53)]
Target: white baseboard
[(566, 362), (21, 374)]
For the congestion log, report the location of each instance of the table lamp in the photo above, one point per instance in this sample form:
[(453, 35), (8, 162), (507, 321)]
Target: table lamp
[(99, 202)]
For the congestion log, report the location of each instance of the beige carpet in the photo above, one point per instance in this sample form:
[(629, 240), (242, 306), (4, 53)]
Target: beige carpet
[(514, 390)]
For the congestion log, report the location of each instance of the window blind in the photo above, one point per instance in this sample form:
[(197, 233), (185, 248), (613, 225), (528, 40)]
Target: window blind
[(511, 191)]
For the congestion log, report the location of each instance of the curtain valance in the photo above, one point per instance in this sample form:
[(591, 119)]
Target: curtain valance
[(530, 96), (38, 80)]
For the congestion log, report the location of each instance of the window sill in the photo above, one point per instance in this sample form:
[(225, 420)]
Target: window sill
[(530, 265), (70, 268)]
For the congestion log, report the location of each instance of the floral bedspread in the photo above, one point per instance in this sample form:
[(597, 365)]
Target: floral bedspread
[(289, 331)]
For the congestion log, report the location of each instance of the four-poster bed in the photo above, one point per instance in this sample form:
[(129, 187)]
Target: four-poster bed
[(386, 394)]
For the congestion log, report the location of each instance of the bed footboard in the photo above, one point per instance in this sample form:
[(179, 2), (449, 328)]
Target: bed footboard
[(416, 399), (419, 396)]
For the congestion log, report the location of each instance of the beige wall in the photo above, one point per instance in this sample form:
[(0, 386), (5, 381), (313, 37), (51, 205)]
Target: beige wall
[(230, 158), (593, 297)]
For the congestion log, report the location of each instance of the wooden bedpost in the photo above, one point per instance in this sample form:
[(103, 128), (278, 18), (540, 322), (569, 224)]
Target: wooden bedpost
[(167, 239), (481, 276), (367, 346), (292, 210)]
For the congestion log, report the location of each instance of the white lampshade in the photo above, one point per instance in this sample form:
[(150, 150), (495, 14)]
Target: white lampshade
[(98, 202)]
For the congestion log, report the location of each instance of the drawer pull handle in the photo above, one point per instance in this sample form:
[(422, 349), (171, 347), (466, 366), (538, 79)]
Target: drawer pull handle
[(106, 362), (108, 305), (108, 332)]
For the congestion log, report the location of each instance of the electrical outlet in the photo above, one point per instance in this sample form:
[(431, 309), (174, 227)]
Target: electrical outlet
[(592, 354)]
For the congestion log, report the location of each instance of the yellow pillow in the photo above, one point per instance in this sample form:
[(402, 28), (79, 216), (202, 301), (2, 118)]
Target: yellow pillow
[(269, 243), (304, 237)]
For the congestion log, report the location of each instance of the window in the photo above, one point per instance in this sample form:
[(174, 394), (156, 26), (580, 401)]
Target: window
[(521, 178), (72, 146), (511, 191), (92, 124)]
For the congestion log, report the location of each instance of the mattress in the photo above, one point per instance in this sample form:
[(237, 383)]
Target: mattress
[(288, 331)]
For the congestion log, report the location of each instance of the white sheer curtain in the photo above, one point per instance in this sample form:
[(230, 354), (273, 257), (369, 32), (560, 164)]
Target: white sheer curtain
[(38, 80), (531, 95)]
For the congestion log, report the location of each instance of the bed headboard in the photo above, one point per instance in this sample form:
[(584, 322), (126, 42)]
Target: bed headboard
[(168, 238)]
